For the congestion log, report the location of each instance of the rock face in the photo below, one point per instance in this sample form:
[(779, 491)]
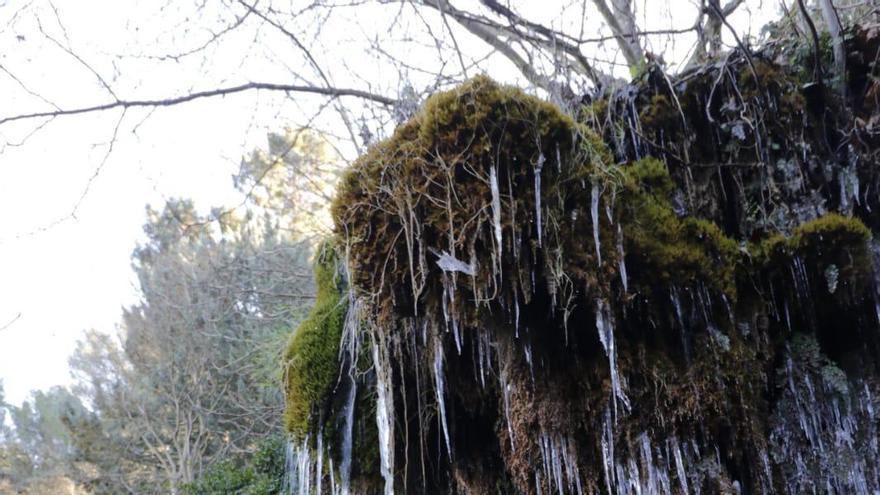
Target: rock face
[(672, 291)]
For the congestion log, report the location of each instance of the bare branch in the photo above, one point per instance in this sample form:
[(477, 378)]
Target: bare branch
[(832, 21), (4, 327), (494, 35), (622, 24), (126, 104)]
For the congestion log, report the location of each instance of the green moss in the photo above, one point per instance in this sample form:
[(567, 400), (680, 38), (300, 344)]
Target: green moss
[(426, 189), (311, 360), (831, 242), (429, 183), (668, 249), (830, 232), (832, 238), (595, 111), (659, 113)]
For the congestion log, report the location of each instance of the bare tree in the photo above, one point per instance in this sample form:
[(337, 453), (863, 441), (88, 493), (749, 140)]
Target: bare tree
[(194, 377)]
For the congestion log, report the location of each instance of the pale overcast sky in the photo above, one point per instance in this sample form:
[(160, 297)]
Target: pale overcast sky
[(62, 277)]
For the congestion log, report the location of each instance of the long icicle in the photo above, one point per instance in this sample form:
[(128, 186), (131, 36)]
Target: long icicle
[(349, 345), (538, 166), (605, 327), (594, 215), (384, 414), (496, 210), (439, 387)]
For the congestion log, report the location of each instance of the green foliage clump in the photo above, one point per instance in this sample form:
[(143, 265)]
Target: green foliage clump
[(261, 474), (826, 234), (311, 361), (660, 113), (665, 248), (832, 239)]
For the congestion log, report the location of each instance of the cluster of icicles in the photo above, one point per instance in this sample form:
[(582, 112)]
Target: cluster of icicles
[(557, 472), (639, 465)]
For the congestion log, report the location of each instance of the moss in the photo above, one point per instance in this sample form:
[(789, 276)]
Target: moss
[(659, 113), (426, 190), (595, 111), (832, 239), (311, 360), (830, 232), (669, 249)]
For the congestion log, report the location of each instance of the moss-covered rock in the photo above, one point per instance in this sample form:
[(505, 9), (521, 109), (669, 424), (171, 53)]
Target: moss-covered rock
[(489, 229), (311, 361), (428, 190), (832, 244), (666, 249)]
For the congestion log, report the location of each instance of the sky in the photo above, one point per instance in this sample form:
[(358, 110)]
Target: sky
[(72, 206)]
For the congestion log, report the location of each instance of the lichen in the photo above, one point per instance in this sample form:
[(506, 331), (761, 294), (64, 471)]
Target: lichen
[(311, 361)]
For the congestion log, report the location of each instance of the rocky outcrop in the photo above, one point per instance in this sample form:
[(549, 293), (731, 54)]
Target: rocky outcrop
[(672, 291)]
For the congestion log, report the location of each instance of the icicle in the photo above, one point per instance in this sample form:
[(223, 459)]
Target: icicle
[(679, 465), (345, 464), (787, 315), (538, 166), (496, 210), (594, 214), (334, 489), (349, 341), (449, 315), (516, 313), (802, 280), (384, 417), (768, 472), (648, 463), (299, 468), (621, 263), (505, 393), (608, 450), (319, 468), (439, 387), (558, 159), (730, 315), (633, 475), (527, 350), (481, 356), (605, 327), (676, 303)]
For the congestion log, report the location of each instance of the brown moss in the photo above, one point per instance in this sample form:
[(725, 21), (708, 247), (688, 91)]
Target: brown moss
[(426, 190)]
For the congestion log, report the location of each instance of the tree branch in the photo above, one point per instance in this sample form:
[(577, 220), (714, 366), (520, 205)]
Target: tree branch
[(622, 24), (832, 21), (125, 104), (493, 34)]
